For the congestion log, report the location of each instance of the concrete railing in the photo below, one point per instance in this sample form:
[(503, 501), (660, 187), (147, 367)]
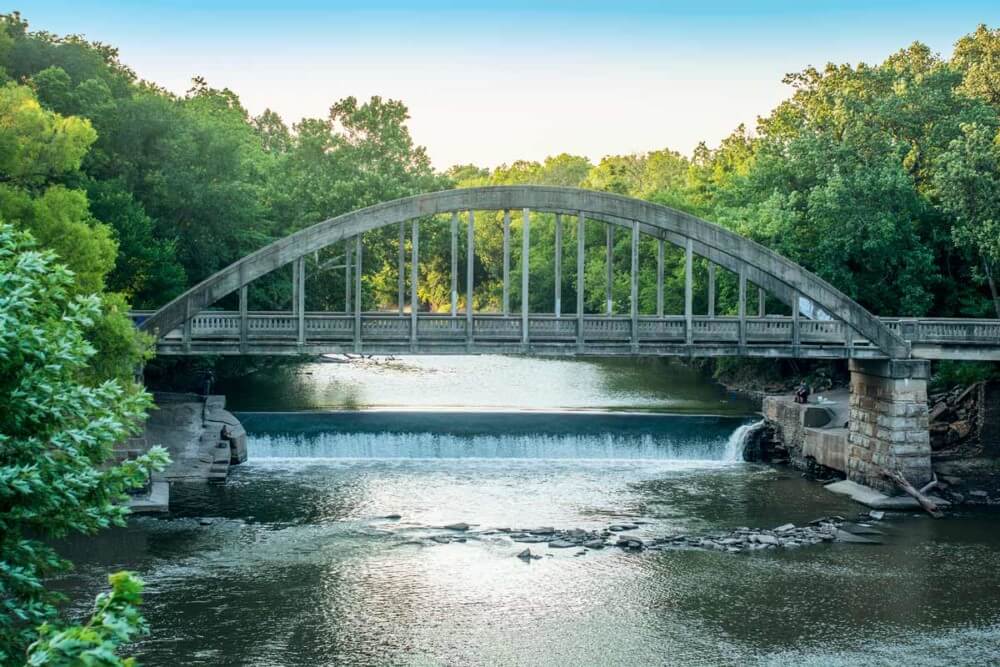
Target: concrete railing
[(218, 328)]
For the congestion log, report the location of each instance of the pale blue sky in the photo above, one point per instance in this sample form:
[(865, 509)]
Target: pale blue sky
[(493, 82)]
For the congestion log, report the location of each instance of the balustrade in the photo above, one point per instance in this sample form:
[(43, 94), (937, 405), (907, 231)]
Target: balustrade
[(227, 325)]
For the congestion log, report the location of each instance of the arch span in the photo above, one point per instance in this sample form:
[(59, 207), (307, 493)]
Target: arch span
[(769, 270)]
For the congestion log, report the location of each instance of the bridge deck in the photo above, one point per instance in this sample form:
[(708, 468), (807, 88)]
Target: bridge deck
[(282, 333)]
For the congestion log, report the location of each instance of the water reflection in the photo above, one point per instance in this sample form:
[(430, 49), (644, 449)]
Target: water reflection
[(486, 382)]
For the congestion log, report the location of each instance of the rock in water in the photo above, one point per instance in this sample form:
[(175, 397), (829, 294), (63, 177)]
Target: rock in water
[(877, 515), (594, 544), (858, 529), (630, 543), (393, 517), (526, 555), (844, 536), (785, 528), (561, 544), (618, 527), (457, 526)]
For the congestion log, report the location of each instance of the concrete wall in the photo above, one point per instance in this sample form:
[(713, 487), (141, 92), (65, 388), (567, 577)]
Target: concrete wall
[(828, 447), (809, 432), (888, 426), (202, 437)]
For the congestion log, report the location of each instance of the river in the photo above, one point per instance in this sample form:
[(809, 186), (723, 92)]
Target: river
[(294, 561)]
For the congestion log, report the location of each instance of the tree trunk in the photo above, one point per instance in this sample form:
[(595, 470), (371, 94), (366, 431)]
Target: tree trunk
[(993, 285), (927, 503)]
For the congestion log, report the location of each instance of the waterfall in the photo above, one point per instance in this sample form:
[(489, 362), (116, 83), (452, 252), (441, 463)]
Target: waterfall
[(738, 440), (488, 435)]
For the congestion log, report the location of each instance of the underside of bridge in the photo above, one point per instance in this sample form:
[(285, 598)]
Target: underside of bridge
[(821, 322)]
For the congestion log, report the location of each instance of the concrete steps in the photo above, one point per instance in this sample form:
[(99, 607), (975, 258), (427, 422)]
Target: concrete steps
[(219, 470)]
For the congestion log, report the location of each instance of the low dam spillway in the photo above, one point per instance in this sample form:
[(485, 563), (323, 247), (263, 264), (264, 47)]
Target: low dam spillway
[(322, 549)]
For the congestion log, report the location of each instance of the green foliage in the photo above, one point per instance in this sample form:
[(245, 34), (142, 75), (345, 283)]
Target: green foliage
[(36, 197), (843, 177), (57, 432), (848, 214), (116, 620), (968, 184), (60, 219), (146, 270), (644, 176), (977, 56), (948, 374), (36, 144)]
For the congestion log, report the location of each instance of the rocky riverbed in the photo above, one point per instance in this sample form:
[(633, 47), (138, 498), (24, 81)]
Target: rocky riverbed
[(620, 535)]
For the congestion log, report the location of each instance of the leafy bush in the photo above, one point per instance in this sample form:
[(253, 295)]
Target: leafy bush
[(57, 435)]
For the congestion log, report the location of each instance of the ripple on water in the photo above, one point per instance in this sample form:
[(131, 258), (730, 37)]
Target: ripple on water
[(298, 568)]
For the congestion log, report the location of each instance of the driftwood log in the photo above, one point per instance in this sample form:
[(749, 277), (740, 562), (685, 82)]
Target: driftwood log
[(920, 494)]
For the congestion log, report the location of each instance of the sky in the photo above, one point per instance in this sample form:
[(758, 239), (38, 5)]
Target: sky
[(493, 82)]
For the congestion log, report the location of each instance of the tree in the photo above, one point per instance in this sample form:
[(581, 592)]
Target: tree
[(639, 175), (359, 155), (115, 621), (146, 270), (968, 183), (40, 154), (274, 134), (36, 144), (977, 56), (57, 434)]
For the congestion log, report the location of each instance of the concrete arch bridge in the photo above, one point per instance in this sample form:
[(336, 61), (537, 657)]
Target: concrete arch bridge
[(820, 322)]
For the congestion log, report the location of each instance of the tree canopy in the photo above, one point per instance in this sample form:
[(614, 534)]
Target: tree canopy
[(857, 176)]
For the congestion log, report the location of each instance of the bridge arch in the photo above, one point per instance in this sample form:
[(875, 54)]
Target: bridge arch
[(779, 276)]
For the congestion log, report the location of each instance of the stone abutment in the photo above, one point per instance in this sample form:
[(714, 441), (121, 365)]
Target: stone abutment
[(888, 424)]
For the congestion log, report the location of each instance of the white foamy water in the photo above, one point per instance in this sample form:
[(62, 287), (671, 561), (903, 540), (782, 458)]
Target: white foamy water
[(737, 442), (600, 446)]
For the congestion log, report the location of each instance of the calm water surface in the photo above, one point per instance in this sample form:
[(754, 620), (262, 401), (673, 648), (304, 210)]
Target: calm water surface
[(486, 382), (298, 567)]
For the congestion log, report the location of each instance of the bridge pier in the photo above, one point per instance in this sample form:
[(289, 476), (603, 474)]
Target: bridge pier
[(888, 426)]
